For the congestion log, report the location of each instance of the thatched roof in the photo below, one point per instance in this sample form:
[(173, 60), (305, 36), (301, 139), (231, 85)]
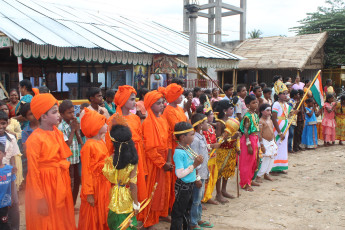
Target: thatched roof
[(280, 52)]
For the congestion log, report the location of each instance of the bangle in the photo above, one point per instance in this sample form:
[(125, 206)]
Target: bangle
[(280, 133), (248, 143), (198, 178)]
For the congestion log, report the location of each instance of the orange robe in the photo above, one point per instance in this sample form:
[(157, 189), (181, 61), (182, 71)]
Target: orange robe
[(156, 152), (173, 116), (93, 155), (134, 124), (48, 178)]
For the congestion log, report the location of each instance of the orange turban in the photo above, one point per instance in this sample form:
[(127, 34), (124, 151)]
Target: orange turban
[(42, 103), (122, 95), (91, 123), (173, 92), (36, 91), (153, 96)]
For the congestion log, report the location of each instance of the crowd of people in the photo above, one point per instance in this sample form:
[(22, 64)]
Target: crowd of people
[(134, 164)]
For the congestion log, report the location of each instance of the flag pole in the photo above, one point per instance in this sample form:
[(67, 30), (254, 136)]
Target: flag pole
[(302, 101)]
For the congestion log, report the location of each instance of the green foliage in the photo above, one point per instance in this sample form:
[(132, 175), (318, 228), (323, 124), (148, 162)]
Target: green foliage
[(330, 18), (255, 33)]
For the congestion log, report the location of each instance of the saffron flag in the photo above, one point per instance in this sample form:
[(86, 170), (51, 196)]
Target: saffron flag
[(317, 90)]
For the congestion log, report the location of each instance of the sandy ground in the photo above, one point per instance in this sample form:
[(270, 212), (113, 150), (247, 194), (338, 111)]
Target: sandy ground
[(310, 196)]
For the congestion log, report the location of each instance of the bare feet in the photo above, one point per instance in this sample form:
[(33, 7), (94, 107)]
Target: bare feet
[(274, 173), (258, 179), (203, 207), (210, 201), (221, 199), (248, 188), (267, 177), (166, 219), (227, 195), (255, 184)]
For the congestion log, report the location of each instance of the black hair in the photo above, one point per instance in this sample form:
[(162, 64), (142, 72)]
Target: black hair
[(276, 78), (27, 85), (196, 89), (287, 78), (84, 105), (2, 148), (207, 91), (220, 106), (181, 126), (214, 89), (197, 117), (256, 88), (263, 85), (92, 92), (263, 107), (249, 99), (24, 109), (329, 96), (110, 93), (293, 93), (11, 90), (309, 100), (65, 105), (342, 99), (202, 98), (239, 88), (306, 81), (43, 89), (227, 86), (124, 149), (178, 81), (301, 92), (235, 100), (186, 92), (328, 81), (141, 93), (267, 90), (3, 116)]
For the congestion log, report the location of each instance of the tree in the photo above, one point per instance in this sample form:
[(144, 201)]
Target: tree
[(330, 18), (255, 33)]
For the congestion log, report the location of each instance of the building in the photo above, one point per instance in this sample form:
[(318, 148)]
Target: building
[(301, 55), (51, 44)]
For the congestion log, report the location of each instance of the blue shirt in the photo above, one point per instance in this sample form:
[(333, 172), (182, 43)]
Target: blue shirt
[(6, 177), (3, 140), (183, 160), (26, 133)]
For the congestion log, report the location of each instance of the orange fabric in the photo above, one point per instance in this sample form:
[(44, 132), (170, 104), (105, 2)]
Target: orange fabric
[(173, 92), (48, 177), (141, 107), (42, 103), (155, 133), (93, 155), (36, 91), (134, 124), (91, 122), (122, 95), (173, 115)]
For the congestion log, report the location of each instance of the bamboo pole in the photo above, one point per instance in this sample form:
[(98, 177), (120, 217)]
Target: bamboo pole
[(302, 101), (223, 74)]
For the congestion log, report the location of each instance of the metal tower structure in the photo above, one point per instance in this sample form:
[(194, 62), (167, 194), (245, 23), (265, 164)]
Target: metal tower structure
[(214, 16)]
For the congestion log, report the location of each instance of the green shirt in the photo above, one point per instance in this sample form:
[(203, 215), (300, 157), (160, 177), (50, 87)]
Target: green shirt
[(254, 123)]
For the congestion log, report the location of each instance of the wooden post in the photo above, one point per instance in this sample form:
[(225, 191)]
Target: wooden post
[(106, 77), (61, 70), (257, 76), (234, 78), (298, 73), (235, 84), (149, 77), (223, 73), (79, 78)]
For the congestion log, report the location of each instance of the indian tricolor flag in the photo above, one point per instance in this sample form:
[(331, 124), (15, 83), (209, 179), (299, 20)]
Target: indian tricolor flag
[(317, 90)]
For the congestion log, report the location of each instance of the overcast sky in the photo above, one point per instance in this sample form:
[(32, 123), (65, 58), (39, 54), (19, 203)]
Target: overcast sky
[(272, 17)]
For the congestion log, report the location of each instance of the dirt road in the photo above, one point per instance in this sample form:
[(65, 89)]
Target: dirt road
[(310, 196)]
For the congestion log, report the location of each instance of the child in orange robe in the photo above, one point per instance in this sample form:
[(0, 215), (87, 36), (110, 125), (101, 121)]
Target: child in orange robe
[(95, 187), (173, 114), (48, 196), (125, 101), (155, 131)]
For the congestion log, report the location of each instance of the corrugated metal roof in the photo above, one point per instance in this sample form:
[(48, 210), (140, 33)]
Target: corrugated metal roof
[(65, 26)]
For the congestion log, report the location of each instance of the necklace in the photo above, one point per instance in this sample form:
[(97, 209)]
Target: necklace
[(283, 105), (189, 151), (254, 120)]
